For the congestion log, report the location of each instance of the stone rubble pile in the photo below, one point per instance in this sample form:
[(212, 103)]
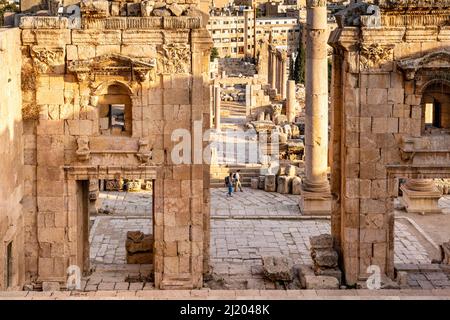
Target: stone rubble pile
[(139, 247)]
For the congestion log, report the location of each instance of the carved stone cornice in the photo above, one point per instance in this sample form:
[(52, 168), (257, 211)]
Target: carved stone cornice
[(112, 64), (316, 3), (437, 61)]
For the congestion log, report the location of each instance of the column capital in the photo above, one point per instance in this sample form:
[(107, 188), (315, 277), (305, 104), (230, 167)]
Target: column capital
[(316, 3)]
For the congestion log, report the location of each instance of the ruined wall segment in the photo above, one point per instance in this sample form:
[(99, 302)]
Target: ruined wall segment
[(157, 67), (384, 59), (11, 164)]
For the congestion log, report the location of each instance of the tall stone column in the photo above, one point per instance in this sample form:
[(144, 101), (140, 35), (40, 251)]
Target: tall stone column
[(290, 101), (273, 80), (217, 107), (315, 196), (278, 73), (283, 74)]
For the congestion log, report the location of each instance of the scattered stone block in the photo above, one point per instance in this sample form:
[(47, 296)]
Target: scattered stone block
[(270, 184), (284, 184), (277, 268), (296, 185), (325, 258), (254, 183), (139, 248), (323, 241)]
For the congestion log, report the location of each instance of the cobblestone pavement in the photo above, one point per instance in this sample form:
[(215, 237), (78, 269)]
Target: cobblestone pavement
[(127, 203), (253, 203), (237, 245)]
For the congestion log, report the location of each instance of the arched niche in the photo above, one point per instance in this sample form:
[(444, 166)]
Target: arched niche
[(435, 107), (114, 105)]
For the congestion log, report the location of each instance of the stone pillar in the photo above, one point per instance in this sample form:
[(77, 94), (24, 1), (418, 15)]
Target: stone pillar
[(290, 101), (269, 67), (273, 80), (316, 197), (217, 107), (283, 74), (421, 196), (278, 73)]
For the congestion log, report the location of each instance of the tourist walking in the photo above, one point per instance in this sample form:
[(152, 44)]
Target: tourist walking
[(229, 184), (237, 181)]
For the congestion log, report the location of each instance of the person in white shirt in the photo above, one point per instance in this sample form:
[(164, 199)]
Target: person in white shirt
[(237, 181)]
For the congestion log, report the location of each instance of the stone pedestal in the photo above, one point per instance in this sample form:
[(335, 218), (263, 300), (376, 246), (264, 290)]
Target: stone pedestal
[(421, 196), (315, 195)]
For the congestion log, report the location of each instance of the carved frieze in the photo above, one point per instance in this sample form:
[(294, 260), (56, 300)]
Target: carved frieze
[(176, 58), (374, 55), (46, 60), (113, 64)]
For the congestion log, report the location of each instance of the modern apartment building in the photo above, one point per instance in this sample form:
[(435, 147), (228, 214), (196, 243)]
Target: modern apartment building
[(234, 33)]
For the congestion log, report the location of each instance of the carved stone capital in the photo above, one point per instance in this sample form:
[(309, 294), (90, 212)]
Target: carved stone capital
[(175, 58), (375, 55)]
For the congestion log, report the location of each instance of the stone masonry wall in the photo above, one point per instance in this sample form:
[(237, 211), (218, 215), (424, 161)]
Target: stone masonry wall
[(376, 104), (11, 164), (164, 72)]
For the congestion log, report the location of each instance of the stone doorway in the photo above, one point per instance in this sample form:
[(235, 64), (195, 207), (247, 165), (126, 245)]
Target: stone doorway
[(108, 206), (121, 220)]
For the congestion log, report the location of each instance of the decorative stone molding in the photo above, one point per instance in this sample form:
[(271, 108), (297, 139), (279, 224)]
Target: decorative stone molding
[(402, 4), (144, 154), (374, 55), (83, 152), (176, 58), (316, 3), (439, 60), (112, 64), (46, 59)]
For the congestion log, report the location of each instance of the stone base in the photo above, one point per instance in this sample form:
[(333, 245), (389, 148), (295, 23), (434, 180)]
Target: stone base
[(420, 201), (315, 203)]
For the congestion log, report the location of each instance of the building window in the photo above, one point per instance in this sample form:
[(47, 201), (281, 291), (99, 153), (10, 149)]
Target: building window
[(114, 109)]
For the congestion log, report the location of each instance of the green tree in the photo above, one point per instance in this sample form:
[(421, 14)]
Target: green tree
[(4, 7), (214, 54), (299, 67), (291, 68)]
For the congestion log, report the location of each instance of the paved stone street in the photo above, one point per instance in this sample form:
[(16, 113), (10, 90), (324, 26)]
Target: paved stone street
[(244, 228), (253, 203)]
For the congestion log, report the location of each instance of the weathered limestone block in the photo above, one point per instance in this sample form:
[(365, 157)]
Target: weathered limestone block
[(321, 282), (284, 184), (325, 258), (254, 183), (270, 183), (176, 9), (139, 248), (296, 185), (323, 241), (261, 182), (277, 268)]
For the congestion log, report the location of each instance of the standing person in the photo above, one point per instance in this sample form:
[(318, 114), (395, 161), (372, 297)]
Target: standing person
[(237, 181), (229, 183)]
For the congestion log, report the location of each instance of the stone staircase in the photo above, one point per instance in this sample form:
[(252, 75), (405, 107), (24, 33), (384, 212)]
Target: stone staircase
[(219, 172)]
